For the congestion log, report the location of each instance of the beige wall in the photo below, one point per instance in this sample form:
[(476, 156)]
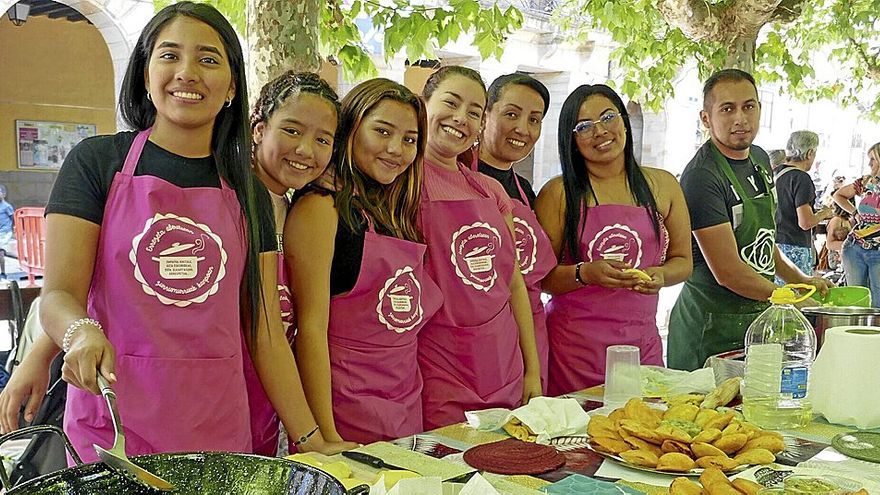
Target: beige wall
[(52, 70)]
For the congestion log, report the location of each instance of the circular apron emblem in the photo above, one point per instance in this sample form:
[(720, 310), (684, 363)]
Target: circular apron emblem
[(759, 254), (618, 243), (178, 260), (474, 248), (526, 245), (400, 301)]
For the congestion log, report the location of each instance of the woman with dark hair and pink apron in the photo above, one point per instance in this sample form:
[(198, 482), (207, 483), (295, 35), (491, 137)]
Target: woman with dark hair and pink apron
[(515, 109), (356, 260), (293, 124), (605, 216), (153, 239), (479, 350)]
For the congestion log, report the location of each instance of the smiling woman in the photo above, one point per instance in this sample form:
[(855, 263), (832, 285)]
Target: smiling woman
[(606, 216)]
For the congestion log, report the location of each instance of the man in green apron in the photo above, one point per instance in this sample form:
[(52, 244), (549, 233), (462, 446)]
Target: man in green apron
[(729, 191)]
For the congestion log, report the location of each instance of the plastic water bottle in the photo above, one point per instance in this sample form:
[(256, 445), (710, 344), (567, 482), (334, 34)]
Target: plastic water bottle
[(780, 347)]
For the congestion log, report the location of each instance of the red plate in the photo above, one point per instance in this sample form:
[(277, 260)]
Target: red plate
[(512, 456)]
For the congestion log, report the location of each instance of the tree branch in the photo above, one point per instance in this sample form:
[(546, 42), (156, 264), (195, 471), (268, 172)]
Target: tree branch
[(788, 11), (872, 62)]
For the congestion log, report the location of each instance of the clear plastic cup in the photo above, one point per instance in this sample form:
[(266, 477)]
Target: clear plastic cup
[(623, 379)]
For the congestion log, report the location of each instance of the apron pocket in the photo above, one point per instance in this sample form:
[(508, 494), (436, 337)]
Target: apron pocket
[(724, 332), (184, 405)]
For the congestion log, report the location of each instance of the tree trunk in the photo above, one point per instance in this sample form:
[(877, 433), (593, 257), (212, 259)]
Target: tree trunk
[(741, 54), (282, 35)]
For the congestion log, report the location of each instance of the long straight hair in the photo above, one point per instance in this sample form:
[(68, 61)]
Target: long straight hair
[(395, 206), (575, 173), (230, 142)]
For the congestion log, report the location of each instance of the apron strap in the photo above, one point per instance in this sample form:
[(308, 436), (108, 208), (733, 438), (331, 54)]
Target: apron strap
[(473, 181), (522, 193), (134, 153)]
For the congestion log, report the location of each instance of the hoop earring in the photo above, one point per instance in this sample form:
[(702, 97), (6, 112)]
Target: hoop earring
[(228, 103), (149, 96)]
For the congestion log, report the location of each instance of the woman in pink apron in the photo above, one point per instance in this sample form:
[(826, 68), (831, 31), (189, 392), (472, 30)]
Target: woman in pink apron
[(356, 262), (293, 125), (152, 246), (606, 215), (479, 350), (515, 110)]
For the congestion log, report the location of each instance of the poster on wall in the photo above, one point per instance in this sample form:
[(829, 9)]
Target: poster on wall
[(44, 145)]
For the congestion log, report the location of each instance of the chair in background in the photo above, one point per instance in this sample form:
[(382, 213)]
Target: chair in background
[(30, 233)]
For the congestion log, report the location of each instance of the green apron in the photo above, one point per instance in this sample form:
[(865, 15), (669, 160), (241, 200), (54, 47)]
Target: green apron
[(707, 318)]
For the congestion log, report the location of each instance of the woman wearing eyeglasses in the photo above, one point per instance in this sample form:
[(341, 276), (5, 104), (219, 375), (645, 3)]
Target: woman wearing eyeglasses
[(606, 215)]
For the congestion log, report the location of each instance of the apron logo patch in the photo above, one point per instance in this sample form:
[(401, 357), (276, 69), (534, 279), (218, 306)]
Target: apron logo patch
[(473, 254), (759, 254), (178, 260), (400, 301), (526, 245), (618, 243)]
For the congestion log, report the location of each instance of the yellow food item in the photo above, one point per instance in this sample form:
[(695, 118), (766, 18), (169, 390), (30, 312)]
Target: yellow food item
[(706, 415), (723, 463), (642, 275), (673, 446), (305, 459), (723, 394), (706, 450), (755, 456), (639, 444), (393, 476), (722, 489), (712, 476), (669, 432), (731, 443), (693, 399), (637, 410), (640, 458), (746, 486), (682, 412), (684, 486), (602, 426), (350, 483), (769, 442), (636, 429), (719, 422), (609, 445), (617, 415), (675, 462), (517, 430), (338, 470), (708, 436)]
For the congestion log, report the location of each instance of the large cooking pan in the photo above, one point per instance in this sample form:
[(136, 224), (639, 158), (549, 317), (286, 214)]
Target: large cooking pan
[(204, 473), (825, 317)]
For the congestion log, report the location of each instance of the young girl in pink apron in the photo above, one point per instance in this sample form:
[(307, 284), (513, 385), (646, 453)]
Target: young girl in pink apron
[(149, 293), (479, 350), (293, 125), (356, 261), (606, 215), (514, 113)]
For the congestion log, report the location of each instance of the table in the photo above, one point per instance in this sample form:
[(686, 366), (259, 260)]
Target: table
[(460, 437)]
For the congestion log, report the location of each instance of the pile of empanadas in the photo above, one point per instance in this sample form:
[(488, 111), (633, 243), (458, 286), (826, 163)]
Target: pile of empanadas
[(682, 438), (520, 431), (714, 482)]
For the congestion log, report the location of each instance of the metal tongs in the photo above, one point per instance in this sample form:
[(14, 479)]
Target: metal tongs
[(115, 458)]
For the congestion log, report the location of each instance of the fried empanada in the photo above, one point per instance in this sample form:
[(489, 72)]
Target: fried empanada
[(602, 426), (704, 415), (746, 486), (756, 456), (609, 445), (636, 429), (769, 442), (684, 486), (617, 415), (517, 430), (682, 412), (712, 476), (708, 436), (731, 443), (669, 432), (722, 489), (723, 463), (639, 444), (640, 458), (701, 449), (636, 409), (672, 446), (720, 422), (675, 462)]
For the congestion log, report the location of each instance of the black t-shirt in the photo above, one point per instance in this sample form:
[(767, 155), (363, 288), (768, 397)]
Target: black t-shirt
[(348, 248), (710, 196), (84, 180), (508, 178), (794, 188)]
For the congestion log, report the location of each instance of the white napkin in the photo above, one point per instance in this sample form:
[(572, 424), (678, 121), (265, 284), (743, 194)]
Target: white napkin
[(547, 417), (844, 377)]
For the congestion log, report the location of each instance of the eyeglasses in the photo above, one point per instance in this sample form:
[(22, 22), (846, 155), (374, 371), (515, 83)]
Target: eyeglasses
[(586, 126)]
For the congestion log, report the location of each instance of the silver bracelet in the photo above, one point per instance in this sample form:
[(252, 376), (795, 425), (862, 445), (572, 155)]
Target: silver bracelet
[(68, 334)]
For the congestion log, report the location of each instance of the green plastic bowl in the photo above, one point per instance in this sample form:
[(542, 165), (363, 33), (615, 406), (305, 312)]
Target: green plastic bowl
[(846, 296)]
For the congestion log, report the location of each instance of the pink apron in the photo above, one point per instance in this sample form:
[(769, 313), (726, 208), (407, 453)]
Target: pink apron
[(469, 352), (265, 424), (166, 287), (375, 376), (582, 323), (536, 260)]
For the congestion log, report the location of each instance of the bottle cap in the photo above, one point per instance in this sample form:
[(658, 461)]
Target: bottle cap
[(787, 295)]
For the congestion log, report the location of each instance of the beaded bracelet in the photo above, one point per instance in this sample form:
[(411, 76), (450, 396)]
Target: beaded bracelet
[(305, 438), (577, 273), (68, 334)]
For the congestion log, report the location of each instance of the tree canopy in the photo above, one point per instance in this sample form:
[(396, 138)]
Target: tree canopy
[(778, 40)]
